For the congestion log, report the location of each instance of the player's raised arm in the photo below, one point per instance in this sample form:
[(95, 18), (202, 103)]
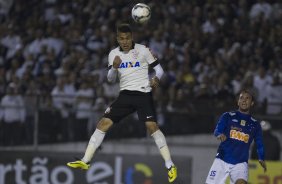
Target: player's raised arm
[(154, 63), (158, 69)]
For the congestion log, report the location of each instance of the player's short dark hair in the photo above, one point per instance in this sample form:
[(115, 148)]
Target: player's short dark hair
[(250, 92), (124, 28)]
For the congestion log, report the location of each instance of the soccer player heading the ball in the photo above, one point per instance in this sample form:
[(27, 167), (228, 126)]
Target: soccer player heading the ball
[(236, 130), (130, 62)]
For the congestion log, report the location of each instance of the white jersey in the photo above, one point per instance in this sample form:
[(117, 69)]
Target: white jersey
[(133, 70)]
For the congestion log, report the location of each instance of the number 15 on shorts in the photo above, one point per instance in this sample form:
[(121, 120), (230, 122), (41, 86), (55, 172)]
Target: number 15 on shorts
[(213, 173)]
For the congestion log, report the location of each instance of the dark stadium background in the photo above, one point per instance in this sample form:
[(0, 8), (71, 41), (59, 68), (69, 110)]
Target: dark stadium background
[(54, 62)]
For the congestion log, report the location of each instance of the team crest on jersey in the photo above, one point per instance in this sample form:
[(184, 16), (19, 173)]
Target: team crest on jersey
[(135, 54), (129, 64), (243, 123)]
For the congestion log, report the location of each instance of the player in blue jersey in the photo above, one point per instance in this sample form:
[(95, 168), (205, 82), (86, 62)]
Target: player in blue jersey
[(236, 130)]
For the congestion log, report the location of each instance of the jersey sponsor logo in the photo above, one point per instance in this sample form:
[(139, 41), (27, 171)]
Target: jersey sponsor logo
[(235, 120), (129, 64), (241, 136)]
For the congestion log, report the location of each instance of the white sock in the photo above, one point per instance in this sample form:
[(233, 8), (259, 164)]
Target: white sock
[(166, 155), (161, 143), (94, 142)]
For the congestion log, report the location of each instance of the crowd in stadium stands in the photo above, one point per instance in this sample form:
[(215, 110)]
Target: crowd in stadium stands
[(54, 54)]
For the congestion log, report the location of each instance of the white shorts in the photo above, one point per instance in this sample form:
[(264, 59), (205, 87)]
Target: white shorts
[(220, 170)]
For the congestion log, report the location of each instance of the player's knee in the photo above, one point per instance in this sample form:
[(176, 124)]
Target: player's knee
[(104, 124), (152, 126), (240, 181)]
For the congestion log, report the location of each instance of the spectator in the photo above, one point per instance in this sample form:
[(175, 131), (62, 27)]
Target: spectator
[(83, 105), (13, 116), (31, 105), (12, 42), (110, 90), (34, 47), (261, 8), (261, 81), (236, 83), (61, 101), (274, 97), (54, 39), (98, 110), (178, 104), (5, 6), (158, 44)]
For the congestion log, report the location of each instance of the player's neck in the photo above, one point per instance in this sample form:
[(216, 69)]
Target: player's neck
[(244, 111), (132, 46)]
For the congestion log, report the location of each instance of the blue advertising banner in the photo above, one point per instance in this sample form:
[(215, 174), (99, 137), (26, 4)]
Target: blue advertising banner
[(17, 167)]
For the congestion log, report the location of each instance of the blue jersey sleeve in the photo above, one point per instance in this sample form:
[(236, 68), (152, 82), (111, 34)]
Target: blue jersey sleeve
[(259, 142), (221, 124)]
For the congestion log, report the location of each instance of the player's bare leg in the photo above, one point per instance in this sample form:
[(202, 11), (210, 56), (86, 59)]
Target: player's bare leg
[(160, 141), (241, 181), (94, 143)]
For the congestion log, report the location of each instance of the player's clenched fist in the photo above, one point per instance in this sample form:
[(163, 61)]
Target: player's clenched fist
[(155, 82), (116, 62), (221, 137)]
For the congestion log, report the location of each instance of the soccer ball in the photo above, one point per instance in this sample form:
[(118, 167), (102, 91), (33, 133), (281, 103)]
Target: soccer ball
[(141, 13)]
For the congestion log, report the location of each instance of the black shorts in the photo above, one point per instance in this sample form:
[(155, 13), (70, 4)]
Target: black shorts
[(129, 102)]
